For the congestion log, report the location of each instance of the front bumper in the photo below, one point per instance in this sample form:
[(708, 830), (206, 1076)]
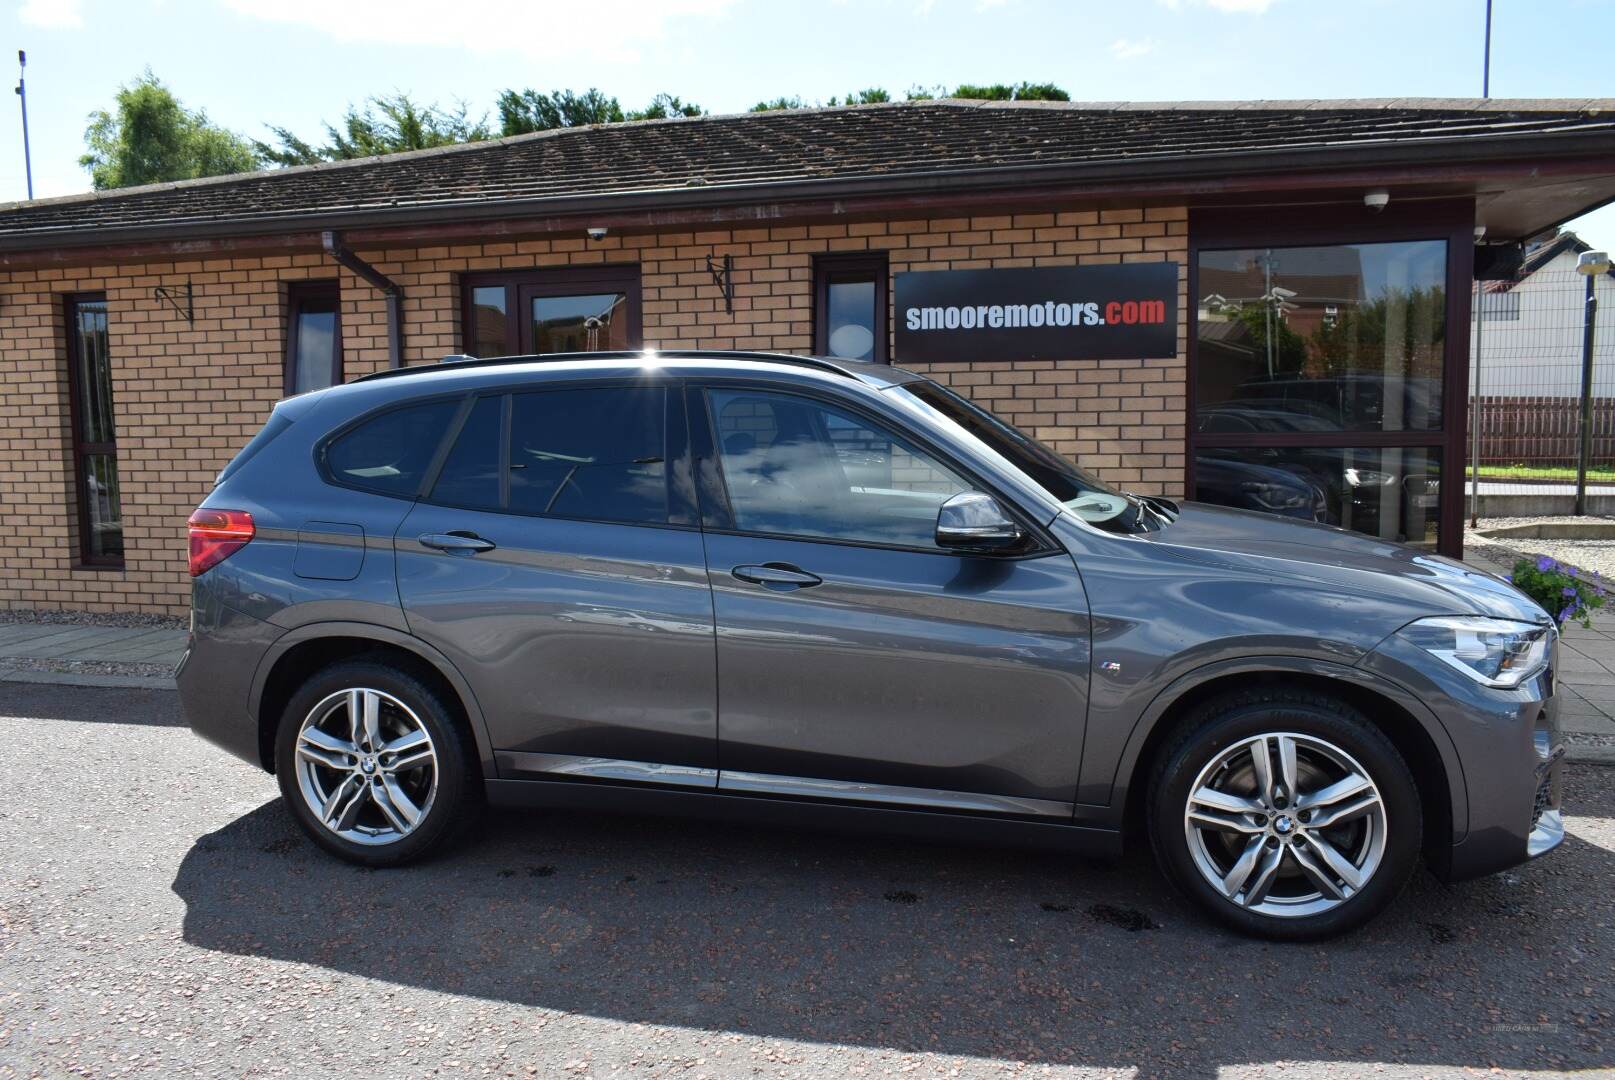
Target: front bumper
[(1510, 755)]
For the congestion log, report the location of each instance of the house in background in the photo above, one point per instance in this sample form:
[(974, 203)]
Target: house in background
[(1525, 360)]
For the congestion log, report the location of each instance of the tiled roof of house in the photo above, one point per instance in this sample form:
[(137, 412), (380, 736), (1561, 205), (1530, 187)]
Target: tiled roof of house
[(908, 145)]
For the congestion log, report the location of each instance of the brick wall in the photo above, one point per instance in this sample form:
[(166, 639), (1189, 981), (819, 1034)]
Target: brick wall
[(187, 396)]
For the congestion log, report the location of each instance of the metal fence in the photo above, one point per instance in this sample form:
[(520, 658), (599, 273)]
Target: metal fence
[(1527, 394)]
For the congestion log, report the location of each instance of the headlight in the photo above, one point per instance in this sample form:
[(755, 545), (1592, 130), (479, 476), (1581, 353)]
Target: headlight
[(1369, 478), (1496, 652), (1275, 496)]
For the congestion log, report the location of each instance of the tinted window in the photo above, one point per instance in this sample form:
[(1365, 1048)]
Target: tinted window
[(389, 453), (595, 454), (797, 467), (470, 475), (1349, 337)]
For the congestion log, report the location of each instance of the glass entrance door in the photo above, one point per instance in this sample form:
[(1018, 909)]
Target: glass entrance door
[(1320, 387)]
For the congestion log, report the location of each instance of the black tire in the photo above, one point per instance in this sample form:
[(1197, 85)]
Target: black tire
[(457, 797), (1215, 727)]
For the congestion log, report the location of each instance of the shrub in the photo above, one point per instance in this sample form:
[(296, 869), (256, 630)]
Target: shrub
[(1564, 592)]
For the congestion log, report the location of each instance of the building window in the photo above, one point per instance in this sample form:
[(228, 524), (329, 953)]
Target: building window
[(95, 439), (313, 336), (849, 306), (586, 309), (1319, 383)]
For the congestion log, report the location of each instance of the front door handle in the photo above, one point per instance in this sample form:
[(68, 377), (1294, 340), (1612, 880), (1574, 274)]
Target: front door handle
[(457, 543), (778, 576)]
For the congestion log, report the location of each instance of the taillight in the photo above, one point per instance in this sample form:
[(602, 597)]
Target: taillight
[(216, 535)]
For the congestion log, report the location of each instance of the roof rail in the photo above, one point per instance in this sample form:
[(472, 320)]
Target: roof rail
[(461, 360)]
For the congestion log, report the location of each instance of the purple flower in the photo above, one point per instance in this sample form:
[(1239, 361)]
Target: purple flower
[(1544, 564), (1568, 591), (1566, 613), (1509, 578)]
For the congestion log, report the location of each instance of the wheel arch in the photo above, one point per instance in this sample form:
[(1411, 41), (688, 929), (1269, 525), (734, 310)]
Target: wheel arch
[(300, 652), (1415, 732)]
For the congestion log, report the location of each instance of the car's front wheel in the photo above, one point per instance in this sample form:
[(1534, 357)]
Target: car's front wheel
[(373, 763), (1285, 813)]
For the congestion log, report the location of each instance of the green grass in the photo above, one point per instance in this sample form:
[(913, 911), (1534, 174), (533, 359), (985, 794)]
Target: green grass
[(1599, 475)]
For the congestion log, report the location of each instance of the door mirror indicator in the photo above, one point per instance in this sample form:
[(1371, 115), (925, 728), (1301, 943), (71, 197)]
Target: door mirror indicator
[(973, 521)]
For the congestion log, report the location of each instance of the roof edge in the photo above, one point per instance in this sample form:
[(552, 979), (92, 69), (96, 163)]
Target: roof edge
[(1502, 105)]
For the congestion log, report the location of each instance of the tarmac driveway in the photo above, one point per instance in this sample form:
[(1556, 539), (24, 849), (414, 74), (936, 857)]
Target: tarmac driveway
[(160, 915)]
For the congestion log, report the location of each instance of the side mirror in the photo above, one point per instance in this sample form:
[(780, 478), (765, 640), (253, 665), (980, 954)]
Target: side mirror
[(973, 521)]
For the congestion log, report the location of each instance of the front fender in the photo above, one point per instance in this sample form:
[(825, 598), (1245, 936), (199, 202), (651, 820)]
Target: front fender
[(1107, 792), (385, 635)]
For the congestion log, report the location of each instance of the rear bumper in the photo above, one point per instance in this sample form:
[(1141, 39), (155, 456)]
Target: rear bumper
[(215, 676)]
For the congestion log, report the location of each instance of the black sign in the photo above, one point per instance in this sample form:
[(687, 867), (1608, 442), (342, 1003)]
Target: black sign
[(1125, 311)]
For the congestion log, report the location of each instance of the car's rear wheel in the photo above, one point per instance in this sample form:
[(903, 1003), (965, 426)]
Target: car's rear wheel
[(1285, 813), (373, 763)]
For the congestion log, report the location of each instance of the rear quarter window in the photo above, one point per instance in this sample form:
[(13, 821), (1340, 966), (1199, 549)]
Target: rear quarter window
[(389, 453)]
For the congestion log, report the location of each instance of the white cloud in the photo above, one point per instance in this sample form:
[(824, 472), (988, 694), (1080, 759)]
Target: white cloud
[(608, 29), (51, 14), (1129, 49)]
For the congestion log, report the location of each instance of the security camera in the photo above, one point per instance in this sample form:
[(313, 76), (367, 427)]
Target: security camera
[(597, 233), (1376, 200)]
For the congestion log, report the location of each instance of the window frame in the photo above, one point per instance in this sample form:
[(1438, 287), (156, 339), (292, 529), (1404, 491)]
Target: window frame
[(717, 516), (299, 295), (557, 281), (82, 449), (852, 266), (1453, 222)]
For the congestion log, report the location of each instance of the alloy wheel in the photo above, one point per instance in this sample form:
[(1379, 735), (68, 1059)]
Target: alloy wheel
[(366, 766), (1285, 824)]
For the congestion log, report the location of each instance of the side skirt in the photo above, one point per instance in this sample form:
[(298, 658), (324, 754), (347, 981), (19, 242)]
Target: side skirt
[(933, 825)]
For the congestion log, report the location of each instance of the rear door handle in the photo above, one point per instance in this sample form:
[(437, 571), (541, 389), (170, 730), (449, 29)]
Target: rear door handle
[(457, 543), (777, 576)]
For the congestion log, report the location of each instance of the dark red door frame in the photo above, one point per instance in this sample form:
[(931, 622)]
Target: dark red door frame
[(1454, 222), (557, 281)]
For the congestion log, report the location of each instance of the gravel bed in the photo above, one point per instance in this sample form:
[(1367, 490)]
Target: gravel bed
[(136, 619), (1593, 556), (89, 667)]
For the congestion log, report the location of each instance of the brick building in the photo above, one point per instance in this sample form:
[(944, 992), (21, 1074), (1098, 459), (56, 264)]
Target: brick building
[(146, 332)]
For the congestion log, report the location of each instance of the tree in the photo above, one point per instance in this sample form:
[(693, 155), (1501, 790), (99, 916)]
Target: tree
[(1023, 91), (521, 112), (386, 125), (665, 106), (151, 138), (779, 104)]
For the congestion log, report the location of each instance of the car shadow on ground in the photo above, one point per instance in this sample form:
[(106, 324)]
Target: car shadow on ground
[(1015, 956)]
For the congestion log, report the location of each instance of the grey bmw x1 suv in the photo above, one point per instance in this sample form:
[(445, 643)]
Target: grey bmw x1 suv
[(795, 589)]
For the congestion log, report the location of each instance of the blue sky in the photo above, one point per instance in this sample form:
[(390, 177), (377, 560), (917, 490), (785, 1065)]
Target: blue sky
[(297, 62)]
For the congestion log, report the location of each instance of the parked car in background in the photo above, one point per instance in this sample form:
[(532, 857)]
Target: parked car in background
[(811, 591)]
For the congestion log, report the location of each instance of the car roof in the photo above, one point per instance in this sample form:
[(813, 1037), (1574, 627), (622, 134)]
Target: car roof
[(461, 371)]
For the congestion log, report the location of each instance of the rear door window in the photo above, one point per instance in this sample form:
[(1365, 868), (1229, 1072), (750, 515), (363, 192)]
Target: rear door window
[(470, 474), (390, 452), (596, 453)]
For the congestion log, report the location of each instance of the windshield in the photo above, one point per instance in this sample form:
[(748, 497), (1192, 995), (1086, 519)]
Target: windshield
[(1076, 489)]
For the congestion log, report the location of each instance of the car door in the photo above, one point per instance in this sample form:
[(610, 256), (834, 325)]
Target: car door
[(557, 561), (856, 658)]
